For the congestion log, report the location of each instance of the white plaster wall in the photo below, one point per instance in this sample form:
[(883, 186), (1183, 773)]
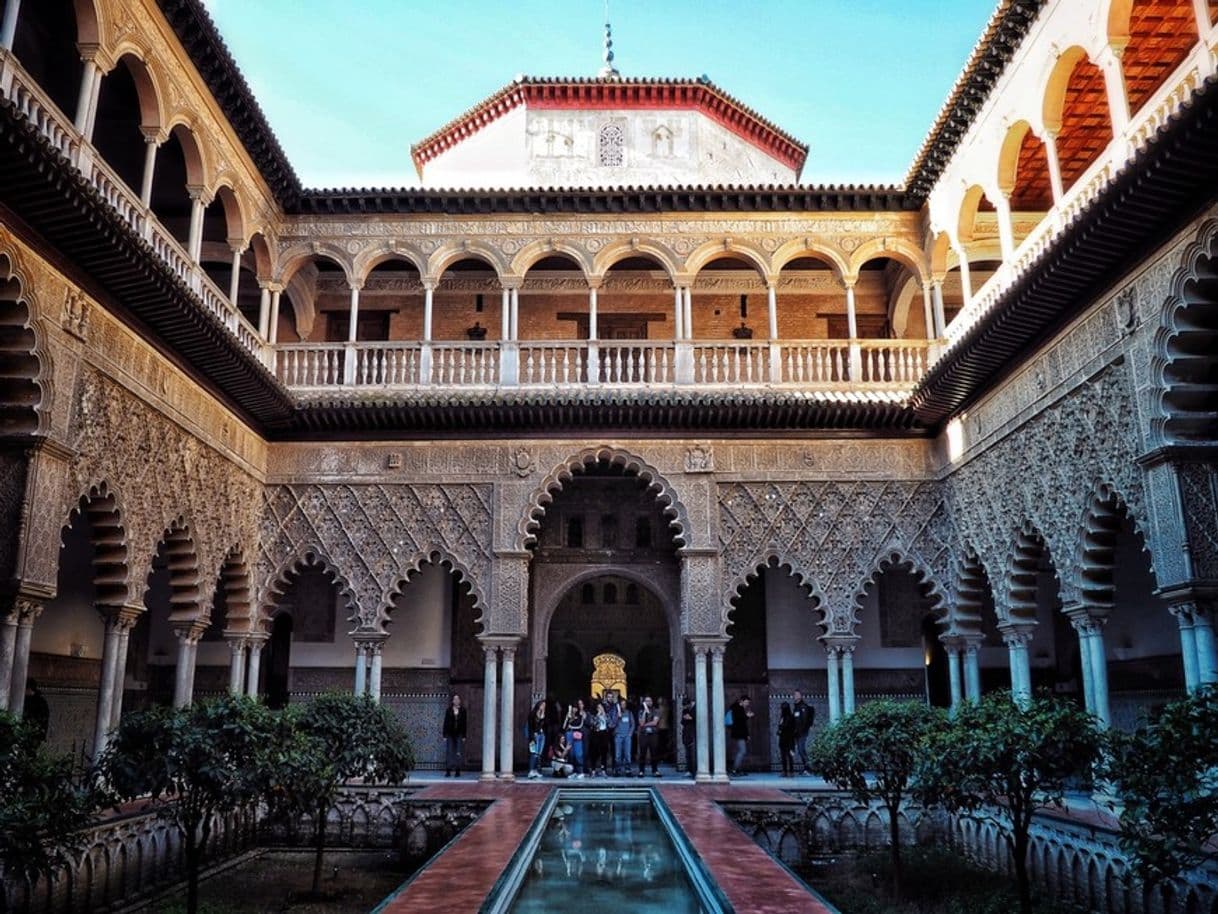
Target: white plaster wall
[(1140, 625), (69, 620), (559, 148)]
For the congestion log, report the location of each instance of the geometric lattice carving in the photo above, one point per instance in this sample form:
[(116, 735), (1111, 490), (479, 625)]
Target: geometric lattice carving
[(834, 536), (374, 536)]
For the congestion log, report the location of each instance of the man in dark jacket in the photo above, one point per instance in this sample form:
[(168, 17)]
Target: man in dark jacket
[(738, 733), (804, 715), (455, 720)]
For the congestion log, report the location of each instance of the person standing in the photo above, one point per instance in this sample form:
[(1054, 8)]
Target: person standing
[(576, 728), (689, 735), (622, 736), (786, 739), (537, 738), (453, 731), (664, 730), (598, 726), (738, 733), (804, 715), (613, 711), (649, 737)]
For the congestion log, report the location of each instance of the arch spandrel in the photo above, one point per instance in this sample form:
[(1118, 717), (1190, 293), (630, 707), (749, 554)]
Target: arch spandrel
[(671, 505)]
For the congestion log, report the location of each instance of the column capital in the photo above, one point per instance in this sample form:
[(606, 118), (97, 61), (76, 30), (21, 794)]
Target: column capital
[(27, 609), (683, 280), (511, 283), (154, 136), (198, 194), (355, 285), (595, 283), (189, 632), (121, 616), (1086, 619), (705, 644), (839, 642), (494, 642), (1016, 633)]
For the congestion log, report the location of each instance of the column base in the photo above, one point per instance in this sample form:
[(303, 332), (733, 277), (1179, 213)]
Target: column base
[(703, 779), (509, 776), (487, 776), (720, 779)]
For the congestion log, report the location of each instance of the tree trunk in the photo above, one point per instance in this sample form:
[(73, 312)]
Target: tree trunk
[(1019, 850), (319, 843), (894, 836)]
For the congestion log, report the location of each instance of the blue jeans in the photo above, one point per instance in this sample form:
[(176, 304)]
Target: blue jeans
[(577, 752), (621, 748), (539, 748)]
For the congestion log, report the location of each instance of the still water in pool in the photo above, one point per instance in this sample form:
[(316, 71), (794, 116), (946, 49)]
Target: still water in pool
[(600, 856)]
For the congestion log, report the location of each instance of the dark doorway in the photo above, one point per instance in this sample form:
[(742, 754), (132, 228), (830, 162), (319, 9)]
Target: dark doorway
[(279, 662), (938, 676)]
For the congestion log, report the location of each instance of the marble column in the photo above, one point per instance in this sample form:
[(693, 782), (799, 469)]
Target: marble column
[(1203, 634), (718, 713), (1099, 673), (151, 144), (198, 205), (8, 648), (8, 29), (236, 665), (1055, 168), (1188, 645), (847, 653), (972, 671), (28, 612), (687, 316), (937, 300), (954, 675), (374, 650), (592, 311), (105, 684), (678, 314), (505, 315), (834, 684), (273, 329), (771, 295), (254, 666), (184, 678), (702, 714), (508, 710), (234, 276), (1021, 670), (127, 620), (361, 669), (490, 703), (86, 97)]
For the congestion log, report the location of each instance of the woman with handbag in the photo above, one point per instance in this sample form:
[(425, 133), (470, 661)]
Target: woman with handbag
[(536, 726), (576, 728)]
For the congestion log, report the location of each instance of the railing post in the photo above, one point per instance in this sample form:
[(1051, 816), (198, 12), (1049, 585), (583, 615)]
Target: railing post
[(425, 362), (349, 364), (593, 365), (775, 362), (509, 363), (683, 362)]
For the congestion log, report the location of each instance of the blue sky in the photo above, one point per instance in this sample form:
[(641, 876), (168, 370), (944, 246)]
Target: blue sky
[(348, 85)]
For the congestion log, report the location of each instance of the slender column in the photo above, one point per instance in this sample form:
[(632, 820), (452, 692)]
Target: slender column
[(771, 294), (1207, 657), (29, 611), (8, 648), (1006, 231), (361, 669), (8, 28), (353, 314), (592, 305), (701, 712), (236, 665), (972, 671), (84, 101), (94, 98), (490, 702), (428, 297), (184, 680), (678, 314), (515, 313), (1188, 646), (507, 707), (273, 334), (718, 712), (1099, 672), (1055, 168), (234, 277), (852, 327), (847, 651), (505, 316), (105, 686), (126, 621), (1021, 672), (1114, 82), (687, 309), (954, 677), (264, 311), (928, 313), (151, 144), (834, 680), (1082, 627), (194, 243), (966, 279), (373, 649), (1201, 13), (940, 320), (254, 667)]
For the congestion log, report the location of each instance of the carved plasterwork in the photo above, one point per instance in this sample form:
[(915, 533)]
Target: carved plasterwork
[(160, 473), (833, 535), (375, 536)]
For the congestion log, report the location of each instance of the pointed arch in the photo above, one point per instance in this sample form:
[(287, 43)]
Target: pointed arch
[(774, 558), (973, 594), (1184, 367), (1028, 551), (24, 364), (108, 537), (439, 557), (1100, 527), (670, 505), (237, 582), (182, 561), (310, 557)]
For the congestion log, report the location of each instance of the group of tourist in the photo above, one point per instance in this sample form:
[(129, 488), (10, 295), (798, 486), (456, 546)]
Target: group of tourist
[(612, 736)]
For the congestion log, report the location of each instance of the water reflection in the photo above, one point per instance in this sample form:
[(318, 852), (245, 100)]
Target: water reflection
[(599, 856)]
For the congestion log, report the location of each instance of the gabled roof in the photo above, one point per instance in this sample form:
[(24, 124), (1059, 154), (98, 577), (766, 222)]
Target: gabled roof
[(599, 92)]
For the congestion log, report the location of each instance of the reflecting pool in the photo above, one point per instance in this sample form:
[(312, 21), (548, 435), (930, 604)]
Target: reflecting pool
[(608, 852)]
